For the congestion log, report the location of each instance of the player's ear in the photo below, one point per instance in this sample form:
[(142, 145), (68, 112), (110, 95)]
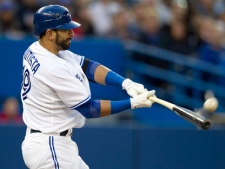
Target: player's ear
[(50, 34)]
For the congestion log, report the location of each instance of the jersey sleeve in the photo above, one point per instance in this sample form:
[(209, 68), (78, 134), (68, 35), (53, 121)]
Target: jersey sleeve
[(71, 90)]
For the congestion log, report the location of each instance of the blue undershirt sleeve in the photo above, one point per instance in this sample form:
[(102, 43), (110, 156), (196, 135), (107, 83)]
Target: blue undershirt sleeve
[(89, 68)]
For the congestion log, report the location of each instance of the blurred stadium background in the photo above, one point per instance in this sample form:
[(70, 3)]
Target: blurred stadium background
[(176, 47)]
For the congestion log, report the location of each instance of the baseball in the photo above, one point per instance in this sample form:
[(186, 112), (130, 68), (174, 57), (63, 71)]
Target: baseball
[(211, 104)]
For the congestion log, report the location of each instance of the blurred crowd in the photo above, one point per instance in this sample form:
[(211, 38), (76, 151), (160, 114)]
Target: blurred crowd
[(185, 26), (177, 25), (190, 27), (10, 112)]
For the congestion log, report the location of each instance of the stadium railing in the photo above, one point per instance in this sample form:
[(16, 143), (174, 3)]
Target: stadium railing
[(181, 75)]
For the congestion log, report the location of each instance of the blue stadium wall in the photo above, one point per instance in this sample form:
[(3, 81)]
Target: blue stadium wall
[(109, 147), (131, 148)]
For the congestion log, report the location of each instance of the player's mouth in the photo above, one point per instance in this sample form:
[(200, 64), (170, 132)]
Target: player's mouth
[(69, 40)]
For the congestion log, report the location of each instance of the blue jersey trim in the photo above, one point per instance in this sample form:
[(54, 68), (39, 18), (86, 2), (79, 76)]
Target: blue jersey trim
[(82, 60), (82, 102)]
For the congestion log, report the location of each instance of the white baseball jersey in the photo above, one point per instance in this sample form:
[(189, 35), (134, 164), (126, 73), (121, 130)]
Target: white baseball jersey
[(53, 85)]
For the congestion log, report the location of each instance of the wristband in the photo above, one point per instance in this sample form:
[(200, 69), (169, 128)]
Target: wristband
[(113, 78)]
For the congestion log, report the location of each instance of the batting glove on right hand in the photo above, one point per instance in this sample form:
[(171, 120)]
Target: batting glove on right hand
[(142, 100)]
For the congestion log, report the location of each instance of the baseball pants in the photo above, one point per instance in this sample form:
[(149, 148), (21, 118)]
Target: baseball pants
[(42, 151)]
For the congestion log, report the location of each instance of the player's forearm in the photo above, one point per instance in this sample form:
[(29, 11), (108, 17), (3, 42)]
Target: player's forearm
[(100, 74), (103, 75), (112, 107), (100, 108)]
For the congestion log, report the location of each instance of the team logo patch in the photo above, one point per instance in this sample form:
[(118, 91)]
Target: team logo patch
[(79, 78)]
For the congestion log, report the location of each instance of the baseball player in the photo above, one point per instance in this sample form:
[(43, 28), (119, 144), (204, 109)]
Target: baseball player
[(56, 95)]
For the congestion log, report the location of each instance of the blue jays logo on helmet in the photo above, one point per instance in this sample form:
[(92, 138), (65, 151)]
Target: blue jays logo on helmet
[(53, 17)]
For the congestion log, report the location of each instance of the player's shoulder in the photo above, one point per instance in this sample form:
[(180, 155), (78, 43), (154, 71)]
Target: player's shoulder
[(34, 46), (47, 61), (71, 57), (37, 49), (68, 53)]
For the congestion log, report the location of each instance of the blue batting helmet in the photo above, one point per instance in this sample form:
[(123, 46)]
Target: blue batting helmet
[(53, 17)]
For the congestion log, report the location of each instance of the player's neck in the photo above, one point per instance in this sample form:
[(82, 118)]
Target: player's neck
[(49, 46)]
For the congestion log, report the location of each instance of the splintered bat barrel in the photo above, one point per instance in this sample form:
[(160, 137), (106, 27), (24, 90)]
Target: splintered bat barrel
[(187, 114), (193, 117)]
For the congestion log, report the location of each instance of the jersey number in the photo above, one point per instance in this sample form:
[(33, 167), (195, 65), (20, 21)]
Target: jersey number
[(26, 84)]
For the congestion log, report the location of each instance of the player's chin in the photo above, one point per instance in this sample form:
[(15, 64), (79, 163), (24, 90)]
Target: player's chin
[(65, 47)]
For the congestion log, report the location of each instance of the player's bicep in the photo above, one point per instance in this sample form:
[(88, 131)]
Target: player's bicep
[(95, 71), (89, 68)]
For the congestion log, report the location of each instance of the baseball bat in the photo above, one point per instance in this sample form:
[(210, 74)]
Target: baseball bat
[(187, 114)]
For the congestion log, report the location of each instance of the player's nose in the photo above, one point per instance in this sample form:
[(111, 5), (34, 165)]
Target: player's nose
[(71, 33)]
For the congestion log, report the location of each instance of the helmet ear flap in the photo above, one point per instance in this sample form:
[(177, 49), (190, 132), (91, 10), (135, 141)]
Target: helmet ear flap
[(52, 17)]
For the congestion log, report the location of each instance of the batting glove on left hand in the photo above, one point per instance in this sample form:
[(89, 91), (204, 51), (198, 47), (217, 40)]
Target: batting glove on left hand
[(132, 88)]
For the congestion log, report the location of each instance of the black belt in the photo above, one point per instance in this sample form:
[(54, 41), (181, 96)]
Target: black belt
[(64, 133)]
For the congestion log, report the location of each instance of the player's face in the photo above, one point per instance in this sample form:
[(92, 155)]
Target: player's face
[(63, 38)]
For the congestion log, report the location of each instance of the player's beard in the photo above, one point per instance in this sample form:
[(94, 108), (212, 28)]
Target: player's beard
[(64, 44)]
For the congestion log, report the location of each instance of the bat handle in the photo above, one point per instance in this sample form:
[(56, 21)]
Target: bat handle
[(162, 102)]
